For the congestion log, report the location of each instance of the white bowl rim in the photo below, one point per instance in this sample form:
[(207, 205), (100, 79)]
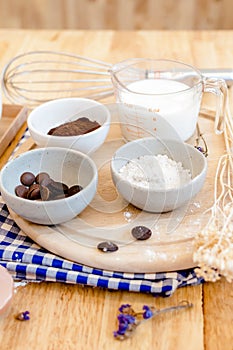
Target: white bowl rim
[(70, 138), (171, 190), (50, 202)]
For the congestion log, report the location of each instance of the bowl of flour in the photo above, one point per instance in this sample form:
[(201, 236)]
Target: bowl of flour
[(158, 175)]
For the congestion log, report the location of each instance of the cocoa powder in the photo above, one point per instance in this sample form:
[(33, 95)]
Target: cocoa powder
[(77, 127)]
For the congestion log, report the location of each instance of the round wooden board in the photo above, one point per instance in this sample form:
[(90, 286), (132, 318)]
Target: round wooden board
[(110, 218), (132, 256)]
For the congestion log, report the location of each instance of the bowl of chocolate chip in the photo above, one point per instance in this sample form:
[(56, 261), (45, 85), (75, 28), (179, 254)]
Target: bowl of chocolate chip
[(75, 123), (49, 186)]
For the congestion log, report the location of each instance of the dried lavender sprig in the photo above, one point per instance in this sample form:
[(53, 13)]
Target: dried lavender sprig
[(129, 320)]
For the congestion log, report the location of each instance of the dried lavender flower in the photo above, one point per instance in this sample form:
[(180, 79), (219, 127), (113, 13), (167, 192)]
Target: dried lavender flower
[(129, 320), (23, 316), (148, 313)]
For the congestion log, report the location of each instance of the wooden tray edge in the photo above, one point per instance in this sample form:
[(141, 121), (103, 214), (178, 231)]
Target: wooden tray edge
[(17, 122)]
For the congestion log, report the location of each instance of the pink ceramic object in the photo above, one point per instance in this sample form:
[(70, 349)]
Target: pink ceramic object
[(6, 290)]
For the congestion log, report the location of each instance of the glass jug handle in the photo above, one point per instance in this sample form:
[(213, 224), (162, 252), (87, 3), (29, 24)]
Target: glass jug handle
[(218, 87)]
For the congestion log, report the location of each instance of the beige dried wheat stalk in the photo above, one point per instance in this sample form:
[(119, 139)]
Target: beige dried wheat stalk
[(213, 246)]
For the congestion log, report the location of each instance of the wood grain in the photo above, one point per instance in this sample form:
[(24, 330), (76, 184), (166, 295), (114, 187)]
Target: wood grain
[(218, 300), (72, 317), (12, 120), (116, 14), (75, 317)]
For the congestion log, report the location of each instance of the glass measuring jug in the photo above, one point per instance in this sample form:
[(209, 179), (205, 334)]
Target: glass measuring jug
[(165, 88)]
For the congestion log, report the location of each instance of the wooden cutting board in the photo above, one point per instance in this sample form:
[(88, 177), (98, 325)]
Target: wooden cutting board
[(110, 218)]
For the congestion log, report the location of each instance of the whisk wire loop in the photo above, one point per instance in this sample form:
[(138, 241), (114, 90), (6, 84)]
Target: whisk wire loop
[(38, 76)]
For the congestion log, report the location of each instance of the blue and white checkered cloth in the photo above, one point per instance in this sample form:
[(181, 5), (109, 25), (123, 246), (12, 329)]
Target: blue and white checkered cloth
[(25, 260)]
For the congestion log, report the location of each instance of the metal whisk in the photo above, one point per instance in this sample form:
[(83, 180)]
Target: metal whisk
[(39, 76)]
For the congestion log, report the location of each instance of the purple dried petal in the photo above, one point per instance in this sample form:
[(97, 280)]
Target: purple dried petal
[(122, 328), (125, 318), (200, 149), (124, 306), (148, 313), (26, 315)]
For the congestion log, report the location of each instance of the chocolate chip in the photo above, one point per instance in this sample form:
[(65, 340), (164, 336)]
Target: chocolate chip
[(34, 192), (44, 193), (27, 178), (141, 233), (74, 189), (46, 181), (41, 176), (58, 187), (107, 247), (21, 191)]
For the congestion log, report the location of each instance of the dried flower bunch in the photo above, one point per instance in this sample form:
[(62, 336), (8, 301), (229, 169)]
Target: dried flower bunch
[(214, 244), (129, 320)]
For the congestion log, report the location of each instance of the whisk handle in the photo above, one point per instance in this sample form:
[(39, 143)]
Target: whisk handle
[(220, 73)]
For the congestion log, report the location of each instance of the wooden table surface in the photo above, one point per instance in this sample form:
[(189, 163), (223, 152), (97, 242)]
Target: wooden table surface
[(76, 317)]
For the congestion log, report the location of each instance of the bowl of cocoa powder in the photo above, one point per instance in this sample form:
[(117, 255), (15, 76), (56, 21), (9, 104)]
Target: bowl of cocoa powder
[(76, 123)]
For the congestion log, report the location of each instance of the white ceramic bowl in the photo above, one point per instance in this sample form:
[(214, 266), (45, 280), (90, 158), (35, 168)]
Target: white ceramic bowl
[(68, 166), (60, 111), (159, 200)]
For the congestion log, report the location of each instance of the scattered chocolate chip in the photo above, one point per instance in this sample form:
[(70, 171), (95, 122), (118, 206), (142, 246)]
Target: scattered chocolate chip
[(21, 191), (141, 233), (107, 247), (27, 178), (74, 189)]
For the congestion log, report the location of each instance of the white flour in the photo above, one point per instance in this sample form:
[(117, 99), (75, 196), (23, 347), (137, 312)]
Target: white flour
[(155, 172)]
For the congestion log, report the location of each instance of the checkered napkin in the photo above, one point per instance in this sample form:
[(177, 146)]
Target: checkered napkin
[(25, 260)]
